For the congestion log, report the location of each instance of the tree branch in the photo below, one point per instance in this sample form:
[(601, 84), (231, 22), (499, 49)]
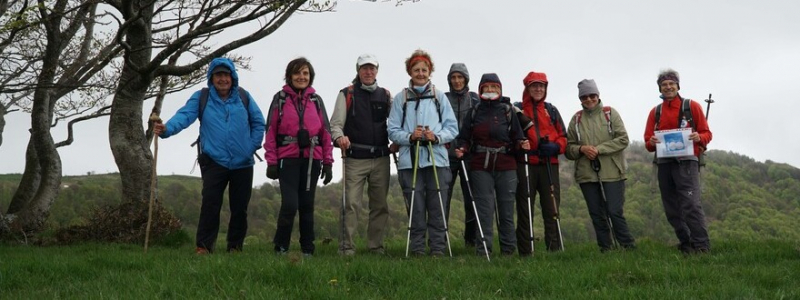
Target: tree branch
[(99, 113)]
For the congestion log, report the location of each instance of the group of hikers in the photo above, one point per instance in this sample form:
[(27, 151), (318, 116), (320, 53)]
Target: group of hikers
[(504, 153)]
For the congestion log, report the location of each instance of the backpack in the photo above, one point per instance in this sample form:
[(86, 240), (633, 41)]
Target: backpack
[(348, 96), (506, 104), (279, 100), (553, 112), (685, 113), (243, 95), (417, 99), (606, 112)]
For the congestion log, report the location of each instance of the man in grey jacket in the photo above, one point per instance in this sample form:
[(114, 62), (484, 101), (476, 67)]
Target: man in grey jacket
[(358, 127), (462, 100)]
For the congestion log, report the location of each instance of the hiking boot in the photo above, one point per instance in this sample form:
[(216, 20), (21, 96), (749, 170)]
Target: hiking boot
[(308, 254), (378, 251), (417, 253), (347, 252), (201, 251), (281, 251), (437, 253)]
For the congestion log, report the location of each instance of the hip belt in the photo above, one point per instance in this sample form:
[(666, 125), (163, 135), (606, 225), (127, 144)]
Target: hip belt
[(490, 152)]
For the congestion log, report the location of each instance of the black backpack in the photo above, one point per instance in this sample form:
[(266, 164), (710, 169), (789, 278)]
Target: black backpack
[(243, 95), (417, 99), (280, 99), (684, 113)]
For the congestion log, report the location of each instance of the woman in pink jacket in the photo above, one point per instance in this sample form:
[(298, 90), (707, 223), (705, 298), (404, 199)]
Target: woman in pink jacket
[(298, 150)]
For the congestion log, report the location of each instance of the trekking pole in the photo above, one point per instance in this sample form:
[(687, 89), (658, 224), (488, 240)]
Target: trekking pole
[(344, 201), (439, 192), (413, 192), (708, 106), (397, 166), (475, 209), (553, 199), (530, 210), (596, 167), (155, 119)]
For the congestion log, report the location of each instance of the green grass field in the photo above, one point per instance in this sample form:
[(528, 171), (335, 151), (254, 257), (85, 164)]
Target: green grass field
[(734, 270)]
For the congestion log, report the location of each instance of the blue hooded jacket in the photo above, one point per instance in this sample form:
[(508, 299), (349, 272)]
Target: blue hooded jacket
[(225, 134)]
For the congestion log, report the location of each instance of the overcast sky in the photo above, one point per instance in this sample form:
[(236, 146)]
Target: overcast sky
[(744, 52)]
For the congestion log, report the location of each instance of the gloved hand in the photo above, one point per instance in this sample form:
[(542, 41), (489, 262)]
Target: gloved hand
[(327, 174), (549, 149), (272, 172)]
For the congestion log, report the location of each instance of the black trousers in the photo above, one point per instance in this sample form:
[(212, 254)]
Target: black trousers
[(240, 186), (601, 209), (470, 225), (539, 183), (294, 198)]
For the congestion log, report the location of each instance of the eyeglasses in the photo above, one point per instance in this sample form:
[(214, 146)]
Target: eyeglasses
[(587, 97)]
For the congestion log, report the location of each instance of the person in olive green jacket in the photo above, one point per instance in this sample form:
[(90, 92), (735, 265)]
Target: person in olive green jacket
[(596, 139)]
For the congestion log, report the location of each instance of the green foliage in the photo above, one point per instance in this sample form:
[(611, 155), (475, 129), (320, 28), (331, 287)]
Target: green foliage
[(743, 199), (767, 269)]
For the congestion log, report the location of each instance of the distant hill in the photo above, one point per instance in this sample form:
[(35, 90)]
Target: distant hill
[(743, 199)]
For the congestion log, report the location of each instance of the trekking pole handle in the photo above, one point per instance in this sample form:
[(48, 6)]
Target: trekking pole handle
[(708, 106), (595, 164)]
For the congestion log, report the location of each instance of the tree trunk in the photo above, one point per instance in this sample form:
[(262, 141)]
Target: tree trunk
[(29, 184), (2, 122), (125, 130), (34, 213)]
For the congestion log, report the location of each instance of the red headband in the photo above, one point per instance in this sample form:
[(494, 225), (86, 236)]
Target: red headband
[(417, 58)]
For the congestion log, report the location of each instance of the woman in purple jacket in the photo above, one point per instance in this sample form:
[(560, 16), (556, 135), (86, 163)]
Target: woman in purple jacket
[(298, 149)]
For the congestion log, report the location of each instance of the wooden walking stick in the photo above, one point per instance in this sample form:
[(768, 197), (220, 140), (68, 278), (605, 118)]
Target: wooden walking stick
[(155, 119)]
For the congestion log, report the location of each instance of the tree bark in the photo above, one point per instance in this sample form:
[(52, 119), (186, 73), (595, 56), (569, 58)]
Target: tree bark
[(29, 184), (34, 213), (2, 122), (126, 132)]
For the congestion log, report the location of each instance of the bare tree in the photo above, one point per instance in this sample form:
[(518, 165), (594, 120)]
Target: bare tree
[(59, 57)]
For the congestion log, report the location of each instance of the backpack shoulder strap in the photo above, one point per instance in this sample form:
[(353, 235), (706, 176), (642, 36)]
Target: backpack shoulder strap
[(686, 111), (348, 96), (202, 105), (244, 96), (657, 117), (323, 114), (277, 103), (405, 104), (607, 113), (436, 101)]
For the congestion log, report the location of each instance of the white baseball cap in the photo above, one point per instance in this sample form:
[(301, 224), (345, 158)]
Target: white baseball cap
[(366, 59)]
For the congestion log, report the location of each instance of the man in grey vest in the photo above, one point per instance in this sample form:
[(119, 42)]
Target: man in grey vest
[(358, 127)]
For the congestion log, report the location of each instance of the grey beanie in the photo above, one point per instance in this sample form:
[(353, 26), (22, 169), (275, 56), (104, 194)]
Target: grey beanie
[(587, 87)]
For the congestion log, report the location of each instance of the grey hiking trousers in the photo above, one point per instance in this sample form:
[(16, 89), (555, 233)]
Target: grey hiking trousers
[(494, 193), (426, 207)]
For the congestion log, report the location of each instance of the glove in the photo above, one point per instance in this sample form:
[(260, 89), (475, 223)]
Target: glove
[(272, 172), (327, 174), (549, 149)]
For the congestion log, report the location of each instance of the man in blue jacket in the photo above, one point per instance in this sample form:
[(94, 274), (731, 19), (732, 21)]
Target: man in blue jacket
[(231, 130)]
